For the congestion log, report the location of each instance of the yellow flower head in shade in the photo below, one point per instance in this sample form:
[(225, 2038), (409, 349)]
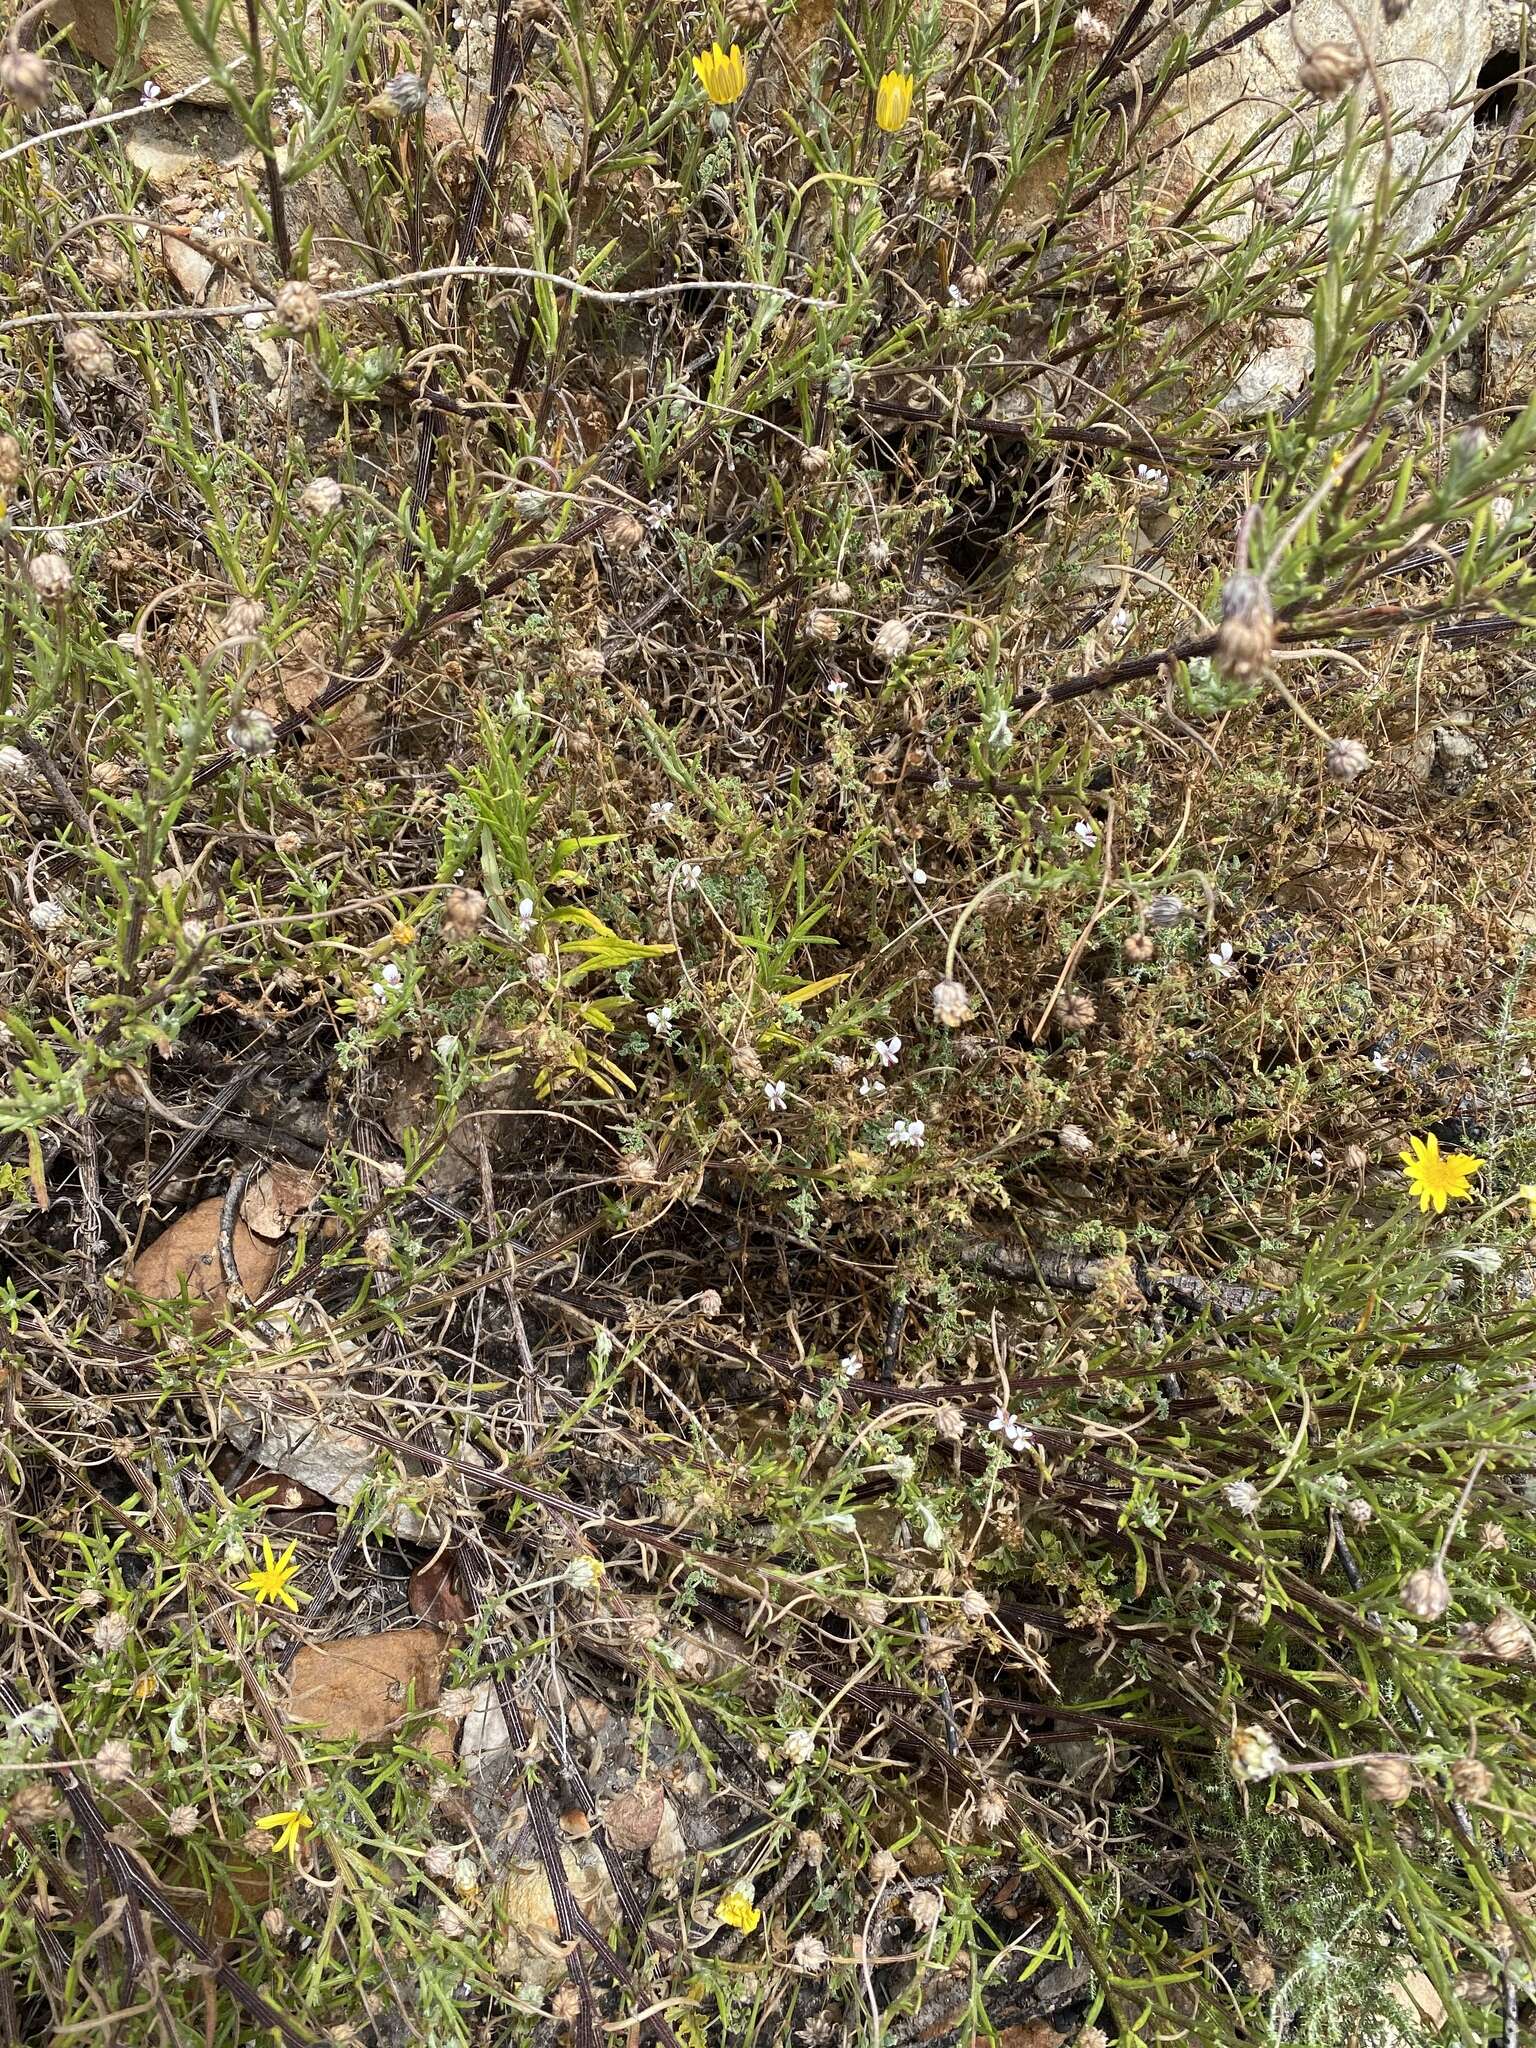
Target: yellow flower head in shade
[(723, 77), (1437, 1177), (893, 100), (737, 1910), (289, 1829), (1527, 1194), (271, 1580)]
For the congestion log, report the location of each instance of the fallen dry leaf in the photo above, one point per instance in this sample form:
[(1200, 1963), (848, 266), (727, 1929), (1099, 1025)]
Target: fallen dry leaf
[(531, 1949), (276, 1198), (190, 268), (334, 1462), (434, 1598), (362, 1688), (188, 1255)]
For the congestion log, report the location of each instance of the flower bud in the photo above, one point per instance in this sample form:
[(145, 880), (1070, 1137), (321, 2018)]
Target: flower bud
[(1507, 1637), (1140, 947), (297, 304), (1345, 760), (1471, 1779), (1164, 912), (88, 355), (51, 577), (320, 498), (25, 78), (1074, 1011), (251, 732), (404, 94), (623, 533), (464, 912)]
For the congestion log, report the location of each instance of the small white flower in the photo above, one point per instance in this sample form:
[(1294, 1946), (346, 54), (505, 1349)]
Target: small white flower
[(660, 1020), (1000, 732), (1152, 479), (799, 1746), (1086, 832), (1221, 960), (659, 511), (689, 874), (871, 1085), (390, 975), (1000, 1422), (774, 1094), (446, 1048), (887, 1050), (851, 1365), (1482, 1258), (584, 1574), (151, 92), (908, 1131), (254, 321), (919, 878), (525, 911), (1242, 1497), (837, 688), (660, 812), (1120, 621), (1380, 1061)]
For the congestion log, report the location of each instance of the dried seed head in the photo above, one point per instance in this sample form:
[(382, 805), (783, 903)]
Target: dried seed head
[(274, 1923), (243, 617), (811, 1954), (320, 498), (298, 305), (25, 77), (113, 1763), (441, 1860), (893, 640), (586, 664), (182, 1821), (1091, 29), (258, 1842), (1246, 635), (1507, 1637), (925, 1909), (1242, 1497), (15, 768), (110, 1632), (1140, 947), (1387, 1779), (1471, 1779), (1358, 1512), (1074, 1011), (623, 533), (945, 183), (88, 355), (746, 17), (838, 595), (975, 1606), (51, 577), (814, 461), (464, 912), (251, 732), (972, 283), (1426, 1593), (951, 1004), (1091, 2037), (1492, 1537), (1330, 69), (1164, 912), (378, 1248), (1345, 760), (1074, 1141), (822, 627), (10, 461), (32, 1804)]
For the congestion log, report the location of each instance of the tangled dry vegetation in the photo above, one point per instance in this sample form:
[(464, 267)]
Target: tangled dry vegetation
[(745, 806)]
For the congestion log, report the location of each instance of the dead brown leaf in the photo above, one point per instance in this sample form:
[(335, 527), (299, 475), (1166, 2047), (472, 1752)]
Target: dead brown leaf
[(277, 1197), (187, 1255), (362, 1688)]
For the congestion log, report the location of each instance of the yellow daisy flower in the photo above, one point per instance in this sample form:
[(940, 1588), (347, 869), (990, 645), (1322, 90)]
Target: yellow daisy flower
[(737, 1910), (1527, 1194), (271, 1581), (289, 1829), (1437, 1177), (893, 100), (723, 77)]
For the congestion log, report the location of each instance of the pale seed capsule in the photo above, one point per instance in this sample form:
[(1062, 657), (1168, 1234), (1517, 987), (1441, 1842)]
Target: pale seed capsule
[(298, 305), (51, 577), (1246, 635), (1345, 760), (25, 78), (1330, 69), (1387, 1779), (893, 640), (951, 1004), (1426, 1593), (1471, 1779)]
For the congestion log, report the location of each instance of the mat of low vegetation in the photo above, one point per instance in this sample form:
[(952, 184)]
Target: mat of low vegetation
[(765, 1147)]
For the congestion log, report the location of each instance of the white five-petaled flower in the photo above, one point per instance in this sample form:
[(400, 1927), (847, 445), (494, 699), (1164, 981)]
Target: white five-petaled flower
[(660, 812), (871, 1085), (837, 688), (1011, 1430), (1154, 479), (775, 1094), (1086, 831), (887, 1050), (1221, 960), (689, 874), (908, 1131), (525, 916), (660, 1020), (851, 1365)]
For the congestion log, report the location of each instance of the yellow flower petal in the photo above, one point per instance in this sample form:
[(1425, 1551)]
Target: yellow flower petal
[(893, 100)]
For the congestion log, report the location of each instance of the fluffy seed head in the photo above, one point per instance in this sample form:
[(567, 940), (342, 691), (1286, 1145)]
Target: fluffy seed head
[(25, 79), (1387, 1779), (1330, 69), (113, 1763), (298, 305), (51, 577), (405, 93), (810, 1953), (182, 1821), (972, 283), (1253, 1755), (88, 355), (1242, 1497), (893, 640), (320, 498), (1426, 1593), (951, 1004), (1246, 635), (821, 626), (814, 461), (464, 912), (109, 1633), (243, 617), (1345, 760)]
